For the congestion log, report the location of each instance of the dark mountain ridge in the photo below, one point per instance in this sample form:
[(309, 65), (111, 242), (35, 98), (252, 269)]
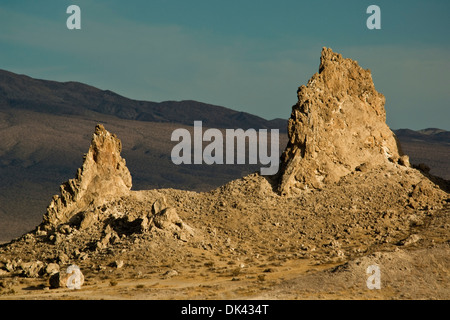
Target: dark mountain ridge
[(429, 135), (74, 98)]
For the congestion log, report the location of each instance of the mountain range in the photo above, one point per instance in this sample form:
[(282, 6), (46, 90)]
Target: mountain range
[(78, 99), (46, 125)]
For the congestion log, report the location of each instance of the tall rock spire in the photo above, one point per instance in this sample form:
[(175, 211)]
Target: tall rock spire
[(338, 123)]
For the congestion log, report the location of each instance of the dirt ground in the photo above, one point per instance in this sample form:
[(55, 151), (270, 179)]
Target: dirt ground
[(405, 274)]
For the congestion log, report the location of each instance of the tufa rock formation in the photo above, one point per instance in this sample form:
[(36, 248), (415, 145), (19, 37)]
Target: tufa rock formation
[(337, 132), (93, 201), (337, 125), (103, 176)]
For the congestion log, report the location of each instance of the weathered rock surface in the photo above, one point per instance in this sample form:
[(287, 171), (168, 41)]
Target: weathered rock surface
[(166, 218), (338, 124), (30, 269), (103, 176)]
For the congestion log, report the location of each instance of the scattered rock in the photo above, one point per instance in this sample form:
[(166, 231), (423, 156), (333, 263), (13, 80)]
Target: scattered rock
[(52, 268), (170, 273), (66, 280), (83, 256), (103, 242), (64, 229), (363, 167), (88, 220), (10, 266), (32, 269), (145, 222), (404, 161), (63, 258), (118, 264), (168, 219), (56, 238), (159, 205), (413, 238)]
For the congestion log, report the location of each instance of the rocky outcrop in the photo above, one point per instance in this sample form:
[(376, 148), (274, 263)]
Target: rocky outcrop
[(92, 203), (337, 125), (103, 176), (29, 269), (165, 218)]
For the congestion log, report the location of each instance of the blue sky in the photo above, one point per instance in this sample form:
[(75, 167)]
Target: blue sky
[(247, 55)]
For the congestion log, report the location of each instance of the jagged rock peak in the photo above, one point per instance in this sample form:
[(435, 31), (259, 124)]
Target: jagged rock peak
[(338, 124), (102, 176)]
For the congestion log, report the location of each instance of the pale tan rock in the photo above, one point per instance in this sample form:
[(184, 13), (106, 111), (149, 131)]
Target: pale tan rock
[(66, 280), (338, 123), (404, 161), (159, 205), (32, 269), (88, 219), (169, 220), (103, 176), (52, 268)]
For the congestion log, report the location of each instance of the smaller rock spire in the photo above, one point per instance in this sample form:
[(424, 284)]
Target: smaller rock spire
[(102, 176)]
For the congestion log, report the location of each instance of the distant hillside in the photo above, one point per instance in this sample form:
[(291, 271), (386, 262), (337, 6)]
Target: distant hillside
[(430, 135), (429, 146), (73, 98)]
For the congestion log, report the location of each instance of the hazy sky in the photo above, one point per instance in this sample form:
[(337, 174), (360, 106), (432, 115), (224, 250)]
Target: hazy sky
[(248, 55)]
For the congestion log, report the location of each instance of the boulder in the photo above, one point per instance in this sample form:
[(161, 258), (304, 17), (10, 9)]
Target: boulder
[(52, 268), (169, 220), (32, 269), (159, 205)]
